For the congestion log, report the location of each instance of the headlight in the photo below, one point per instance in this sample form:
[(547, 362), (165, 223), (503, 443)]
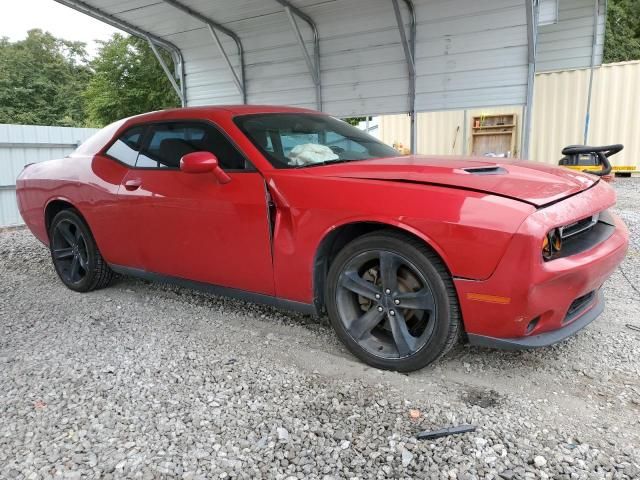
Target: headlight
[(552, 244)]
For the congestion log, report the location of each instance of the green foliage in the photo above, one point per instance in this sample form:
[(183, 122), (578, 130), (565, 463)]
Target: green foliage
[(127, 80), (354, 120), (622, 38), (49, 81), (40, 78)]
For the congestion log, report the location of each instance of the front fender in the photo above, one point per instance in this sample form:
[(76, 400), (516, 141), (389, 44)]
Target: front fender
[(469, 230)]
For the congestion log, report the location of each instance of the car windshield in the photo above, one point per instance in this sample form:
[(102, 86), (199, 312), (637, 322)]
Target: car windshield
[(294, 140)]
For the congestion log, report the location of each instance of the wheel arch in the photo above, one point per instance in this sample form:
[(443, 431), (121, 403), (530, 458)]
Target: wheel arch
[(338, 236), (55, 206)]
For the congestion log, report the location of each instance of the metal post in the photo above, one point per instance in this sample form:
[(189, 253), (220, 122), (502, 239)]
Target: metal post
[(532, 38), (307, 58), (236, 80), (166, 71), (178, 72), (465, 144), (314, 67), (135, 31), (408, 45), (594, 42), (412, 84), (213, 28)]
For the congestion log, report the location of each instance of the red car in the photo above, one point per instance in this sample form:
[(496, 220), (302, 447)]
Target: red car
[(294, 208)]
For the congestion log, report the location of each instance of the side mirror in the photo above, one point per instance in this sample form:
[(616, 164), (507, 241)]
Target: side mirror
[(203, 162)]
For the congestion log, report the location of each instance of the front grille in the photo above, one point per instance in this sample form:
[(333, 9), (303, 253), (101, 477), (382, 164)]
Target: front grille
[(578, 306), (579, 227), (586, 234)]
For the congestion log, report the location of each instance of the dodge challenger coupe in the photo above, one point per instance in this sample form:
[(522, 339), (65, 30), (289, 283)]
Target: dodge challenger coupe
[(294, 208)]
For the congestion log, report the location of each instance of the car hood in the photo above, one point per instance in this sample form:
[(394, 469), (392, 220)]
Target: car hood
[(534, 183)]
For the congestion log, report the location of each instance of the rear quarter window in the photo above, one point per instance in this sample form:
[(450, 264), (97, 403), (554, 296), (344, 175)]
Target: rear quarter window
[(127, 146), (98, 140)]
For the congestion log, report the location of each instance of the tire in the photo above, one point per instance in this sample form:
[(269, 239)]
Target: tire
[(405, 327), (75, 255)]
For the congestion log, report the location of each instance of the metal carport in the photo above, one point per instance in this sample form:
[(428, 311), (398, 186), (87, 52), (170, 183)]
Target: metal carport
[(362, 57)]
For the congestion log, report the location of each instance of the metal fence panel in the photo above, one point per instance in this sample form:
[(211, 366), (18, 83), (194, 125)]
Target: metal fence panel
[(559, 110), (442, 133), (24, 144)]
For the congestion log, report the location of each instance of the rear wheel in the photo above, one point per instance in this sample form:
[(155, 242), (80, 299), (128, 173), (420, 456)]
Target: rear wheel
[(75, 256), (392, 302)]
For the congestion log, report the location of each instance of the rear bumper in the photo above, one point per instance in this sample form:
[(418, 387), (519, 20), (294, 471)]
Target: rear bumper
[(543, 339), (528, 302)]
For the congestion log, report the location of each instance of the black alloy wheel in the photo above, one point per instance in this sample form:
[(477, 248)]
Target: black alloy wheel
[(69, 251), (75, 256), (392, 302)]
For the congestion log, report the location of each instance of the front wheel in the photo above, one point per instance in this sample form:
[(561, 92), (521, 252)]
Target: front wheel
[(392, 302), (75, 255)]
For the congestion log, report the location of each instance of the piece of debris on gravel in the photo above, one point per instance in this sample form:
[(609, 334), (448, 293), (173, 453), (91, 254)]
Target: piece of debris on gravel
[(147, 381)]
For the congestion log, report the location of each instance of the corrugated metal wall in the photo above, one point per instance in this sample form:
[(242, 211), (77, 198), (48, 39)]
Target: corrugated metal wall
[(560, 104), (24, 144), (568, 43), (470, 53), (559, 108), (441, 133), (467, 53)]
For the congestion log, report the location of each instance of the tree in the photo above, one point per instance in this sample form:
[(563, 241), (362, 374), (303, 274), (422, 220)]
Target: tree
[(127, 80), (622, 39), (40, 80), (354, 120)]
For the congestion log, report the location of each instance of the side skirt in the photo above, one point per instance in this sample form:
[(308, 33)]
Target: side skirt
[(305, 308)]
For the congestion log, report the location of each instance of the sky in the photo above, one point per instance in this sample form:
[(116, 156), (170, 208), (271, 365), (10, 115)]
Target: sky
[(20, 16)]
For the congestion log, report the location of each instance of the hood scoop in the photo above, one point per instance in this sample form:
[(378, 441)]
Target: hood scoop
[(490, 170)]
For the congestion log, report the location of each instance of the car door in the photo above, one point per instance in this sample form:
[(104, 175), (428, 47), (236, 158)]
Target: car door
[(188, 225), (111, 229)]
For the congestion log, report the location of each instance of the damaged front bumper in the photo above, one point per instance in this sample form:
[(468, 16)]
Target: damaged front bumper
[(547, 338), (528, 302)]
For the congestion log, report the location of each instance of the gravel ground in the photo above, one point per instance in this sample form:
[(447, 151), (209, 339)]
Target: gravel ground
[(149, 381)]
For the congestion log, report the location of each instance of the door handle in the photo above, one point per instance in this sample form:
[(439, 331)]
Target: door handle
[(133, 184)]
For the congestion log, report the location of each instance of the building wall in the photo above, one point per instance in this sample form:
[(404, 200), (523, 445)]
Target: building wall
[(568, 43), (441, 133), (468, 52), (560, 103), (24, 144), (558, 117)]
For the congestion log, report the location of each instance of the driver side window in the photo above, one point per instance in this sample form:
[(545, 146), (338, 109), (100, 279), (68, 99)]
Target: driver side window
[(166, 143)]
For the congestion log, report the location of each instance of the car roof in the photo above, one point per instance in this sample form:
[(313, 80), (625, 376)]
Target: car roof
[(207, 110)]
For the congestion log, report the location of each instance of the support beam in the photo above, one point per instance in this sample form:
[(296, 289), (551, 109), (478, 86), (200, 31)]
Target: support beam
[(115, 22), (167, 72), (313, 66), (294, 25), (236, 79), (409, 47), (531, 7), (215, 27), (594, 46)]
